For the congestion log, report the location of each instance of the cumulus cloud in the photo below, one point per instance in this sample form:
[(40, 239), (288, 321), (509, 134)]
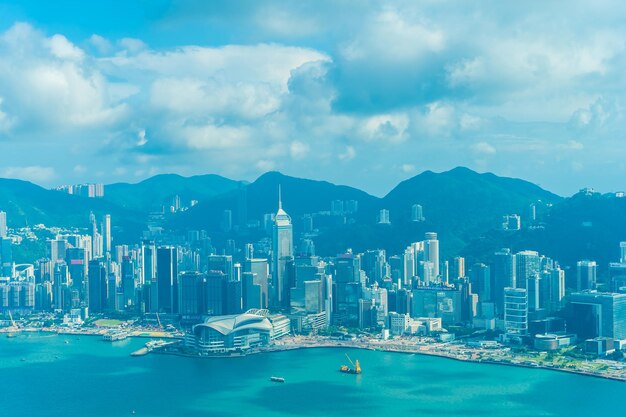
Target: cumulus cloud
[(307, 85)]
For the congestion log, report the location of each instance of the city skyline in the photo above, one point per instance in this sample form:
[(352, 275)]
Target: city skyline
[(371, 92)]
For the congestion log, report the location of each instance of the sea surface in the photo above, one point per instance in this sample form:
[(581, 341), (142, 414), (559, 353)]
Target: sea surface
[(66, 376)]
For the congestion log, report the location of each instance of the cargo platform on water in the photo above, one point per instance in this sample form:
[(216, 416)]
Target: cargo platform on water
[(347, 370)]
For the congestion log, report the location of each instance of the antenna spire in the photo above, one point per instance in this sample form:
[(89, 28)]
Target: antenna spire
[(280, 200)]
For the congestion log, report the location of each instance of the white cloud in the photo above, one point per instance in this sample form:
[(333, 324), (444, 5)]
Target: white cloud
[(386, 127), (298, 150), (407, 168), (348, 154), (483, 148), (141, 137), (33, 173)]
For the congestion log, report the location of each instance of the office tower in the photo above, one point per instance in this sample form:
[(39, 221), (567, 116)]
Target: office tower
[(379, 299), (249, 251), (250, 291), (3, 224), (480, 278), (347, 288), (417, 214), (383, 217), (366, 313), (533, 291), (622, 252), (148, 275), (445, 303), (515, 311), (527, 264), (373, 263), (215, 291), (408, 265), (431, 251), (586, 275), (60, 287), (260, 270), (106, 233), (167, 279), (403, 301), (282, 254), (57, 248), (223, 263), (597, 314), (458, 267), (503, 272), (6, 257), (426, 272), (128, 282), (77, 263), (306, 293), (396, 269), (190, 296), (556, 291), (97, 284)]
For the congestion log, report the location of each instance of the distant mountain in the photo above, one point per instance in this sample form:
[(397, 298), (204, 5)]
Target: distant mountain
[(27, 204), (464, 201), (459, 204), (464, 207), (576, 228), (158, 191), (299, 196)]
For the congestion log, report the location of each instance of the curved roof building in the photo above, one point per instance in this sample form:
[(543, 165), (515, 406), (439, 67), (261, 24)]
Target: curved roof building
[(239, 332), (251, 320)]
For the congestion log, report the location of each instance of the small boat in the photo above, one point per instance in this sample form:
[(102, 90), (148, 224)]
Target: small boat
[(347, 370), (277, 379), (23, 360)]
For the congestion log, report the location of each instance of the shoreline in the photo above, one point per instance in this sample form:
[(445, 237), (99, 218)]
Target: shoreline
[(292, 344), (339, 345)]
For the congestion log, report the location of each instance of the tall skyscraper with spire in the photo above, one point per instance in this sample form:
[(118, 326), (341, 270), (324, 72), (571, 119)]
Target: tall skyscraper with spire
[(282, 254)]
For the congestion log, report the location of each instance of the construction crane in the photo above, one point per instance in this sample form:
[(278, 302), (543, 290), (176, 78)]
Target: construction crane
[(356, 369), (159, 321), (13, 324)]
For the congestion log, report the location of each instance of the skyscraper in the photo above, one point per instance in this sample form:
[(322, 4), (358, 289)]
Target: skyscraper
[(527, 264), (383, 217), (503, 273), (167, 279), (586, 275), (3, 224), (282, 254), (417, 214), (431, 251), (106, 233), (148, 275), (515, 311), (97, 283)]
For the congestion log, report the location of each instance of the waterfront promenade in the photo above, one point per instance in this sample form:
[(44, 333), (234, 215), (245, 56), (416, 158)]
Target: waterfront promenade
[(501, 355)]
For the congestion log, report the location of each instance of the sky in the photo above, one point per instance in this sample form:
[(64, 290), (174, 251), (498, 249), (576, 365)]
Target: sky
[(363, 93)]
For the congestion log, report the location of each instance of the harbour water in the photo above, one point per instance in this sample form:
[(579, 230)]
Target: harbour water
[(50, 375)]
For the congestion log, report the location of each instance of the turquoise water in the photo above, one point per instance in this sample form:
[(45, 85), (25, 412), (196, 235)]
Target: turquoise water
[(47, 375)]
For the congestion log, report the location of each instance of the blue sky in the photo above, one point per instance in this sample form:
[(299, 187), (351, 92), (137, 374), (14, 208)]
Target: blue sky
[(364, 93)]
